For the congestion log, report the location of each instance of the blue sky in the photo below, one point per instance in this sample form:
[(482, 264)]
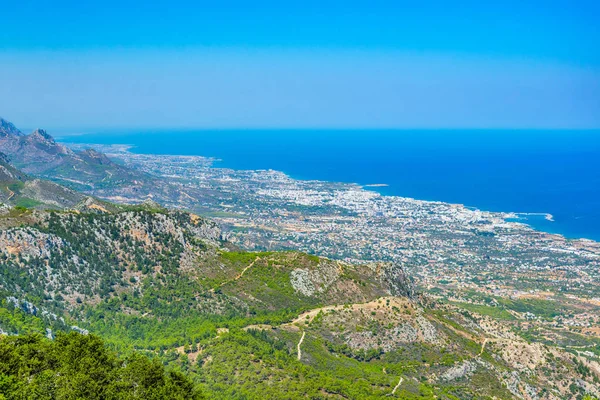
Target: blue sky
[(336, 64)]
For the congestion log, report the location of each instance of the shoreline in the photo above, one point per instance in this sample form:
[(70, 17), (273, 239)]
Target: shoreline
[(116, 149)]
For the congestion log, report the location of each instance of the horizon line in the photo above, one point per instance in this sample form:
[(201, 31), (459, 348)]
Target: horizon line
[(109, 130)]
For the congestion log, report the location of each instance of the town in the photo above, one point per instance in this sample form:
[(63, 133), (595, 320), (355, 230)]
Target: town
[(452, 251)]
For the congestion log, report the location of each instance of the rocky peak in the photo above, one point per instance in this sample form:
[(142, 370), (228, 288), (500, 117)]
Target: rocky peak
[(7, 128), (151, 204), (42, 135), (98, 157), (40, 140)]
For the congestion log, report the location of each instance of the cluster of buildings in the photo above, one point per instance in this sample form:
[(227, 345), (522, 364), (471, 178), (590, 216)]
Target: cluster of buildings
[(445, 247)]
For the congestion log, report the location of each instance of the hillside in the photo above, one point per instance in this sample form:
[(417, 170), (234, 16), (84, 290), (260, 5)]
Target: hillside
[(163, 286), (19, 189), (90, 171), (275, 324)]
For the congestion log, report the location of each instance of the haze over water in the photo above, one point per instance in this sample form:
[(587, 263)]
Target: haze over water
[(556, 172)]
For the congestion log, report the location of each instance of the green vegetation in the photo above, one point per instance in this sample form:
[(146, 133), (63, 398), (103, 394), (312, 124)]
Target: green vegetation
[(76, 366), (26, 202), (494, 312), (259, 365), (180, 315), (15, 186)]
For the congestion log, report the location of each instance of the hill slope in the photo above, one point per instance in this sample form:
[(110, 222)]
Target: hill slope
[(250, 325), (39, 154), (18, 188), (89, 171), (240, 324)]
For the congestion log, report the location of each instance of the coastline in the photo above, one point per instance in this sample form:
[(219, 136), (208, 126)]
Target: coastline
[(539, 221)]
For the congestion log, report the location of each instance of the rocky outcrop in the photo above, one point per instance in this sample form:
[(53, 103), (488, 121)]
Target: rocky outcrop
[(27, 243), (310, 282), (394, 276), (7, 128)]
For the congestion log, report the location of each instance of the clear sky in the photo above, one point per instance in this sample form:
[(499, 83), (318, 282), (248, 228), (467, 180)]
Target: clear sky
[(74, 65)]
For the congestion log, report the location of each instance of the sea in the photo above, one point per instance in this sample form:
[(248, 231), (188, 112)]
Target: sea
[(524, 171)]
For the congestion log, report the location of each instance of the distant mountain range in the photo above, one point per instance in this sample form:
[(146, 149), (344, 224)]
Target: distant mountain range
[(87, 171), (38, 153)]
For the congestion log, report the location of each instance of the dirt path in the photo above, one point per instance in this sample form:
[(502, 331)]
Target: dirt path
[(245, 269), (308, 316), (11, 193), (238, 276), (396, 387), (483, 346), (299, 344)]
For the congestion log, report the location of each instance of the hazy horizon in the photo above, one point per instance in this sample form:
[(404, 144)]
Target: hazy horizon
[(74, 66)]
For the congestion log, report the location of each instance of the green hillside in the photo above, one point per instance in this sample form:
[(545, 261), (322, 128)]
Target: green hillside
[(165, 285)]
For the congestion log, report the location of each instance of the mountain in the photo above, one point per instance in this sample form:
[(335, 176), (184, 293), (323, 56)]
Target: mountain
[(121, 290), (87, 171), (20, 189), (39, 154), (7, 128), (8, 173), (264, 324)]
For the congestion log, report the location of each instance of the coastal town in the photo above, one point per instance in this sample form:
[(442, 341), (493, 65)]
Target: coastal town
[(451, 250)]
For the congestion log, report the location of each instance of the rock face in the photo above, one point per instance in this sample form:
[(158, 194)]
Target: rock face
[(459, 371), (400, 283), (391, 278), (301, 282), (29, 243), (314, 281)]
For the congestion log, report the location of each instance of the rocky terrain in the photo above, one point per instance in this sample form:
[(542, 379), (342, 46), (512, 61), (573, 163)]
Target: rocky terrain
[(129, 273), (20, 189), (258, 324), (87, 170)]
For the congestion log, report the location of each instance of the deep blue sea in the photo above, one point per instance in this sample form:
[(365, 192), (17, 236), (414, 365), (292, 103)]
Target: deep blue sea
[(556, 172)]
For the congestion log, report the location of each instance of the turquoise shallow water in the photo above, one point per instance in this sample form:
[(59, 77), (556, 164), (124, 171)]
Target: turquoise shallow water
[(555, 172)]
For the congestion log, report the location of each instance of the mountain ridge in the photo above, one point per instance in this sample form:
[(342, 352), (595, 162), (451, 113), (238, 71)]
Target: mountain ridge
[(8, 128), (167, 284), (88, 170)]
